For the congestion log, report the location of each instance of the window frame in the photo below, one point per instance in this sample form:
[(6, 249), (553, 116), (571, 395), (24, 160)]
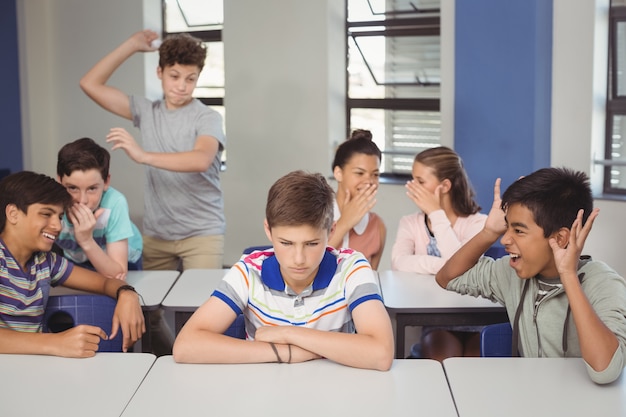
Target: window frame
[(394, 25), (615, 104)]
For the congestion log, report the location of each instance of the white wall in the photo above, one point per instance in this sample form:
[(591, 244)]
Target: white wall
[(59, 41), (579, 91), (284, 101)]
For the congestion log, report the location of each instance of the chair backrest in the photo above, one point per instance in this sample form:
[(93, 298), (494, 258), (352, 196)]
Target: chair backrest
[(238, 328), (495, 252), (251, 249), (495, 340), (66, 311)]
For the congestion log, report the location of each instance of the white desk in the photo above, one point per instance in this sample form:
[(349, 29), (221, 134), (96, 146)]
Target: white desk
[(192, 289), (417, 300), (512, 387), (315, 388), (36, 385), (153, 287)]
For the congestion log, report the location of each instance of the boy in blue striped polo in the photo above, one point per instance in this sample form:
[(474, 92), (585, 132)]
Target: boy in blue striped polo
[(301, 300), (31, 208)]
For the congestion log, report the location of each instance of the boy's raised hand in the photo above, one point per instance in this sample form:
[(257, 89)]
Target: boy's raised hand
[(142, 40), (121, 139), (496, 221), (566, 258)]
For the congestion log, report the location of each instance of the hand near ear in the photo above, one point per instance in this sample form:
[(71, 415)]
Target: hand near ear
[(567, 245)]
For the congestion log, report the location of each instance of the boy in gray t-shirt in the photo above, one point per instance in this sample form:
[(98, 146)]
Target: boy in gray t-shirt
[(182, 145)]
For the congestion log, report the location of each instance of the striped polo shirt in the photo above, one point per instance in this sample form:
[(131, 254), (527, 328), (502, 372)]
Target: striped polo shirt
[(24, 294), (255, 287)]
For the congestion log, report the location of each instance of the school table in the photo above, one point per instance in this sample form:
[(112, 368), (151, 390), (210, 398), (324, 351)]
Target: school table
[(484, 387), (191, 290), (153, 286), (315, 388), (417, 300), (38, 385)]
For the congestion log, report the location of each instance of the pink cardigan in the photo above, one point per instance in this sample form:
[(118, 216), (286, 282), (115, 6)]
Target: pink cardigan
[(409, 250)]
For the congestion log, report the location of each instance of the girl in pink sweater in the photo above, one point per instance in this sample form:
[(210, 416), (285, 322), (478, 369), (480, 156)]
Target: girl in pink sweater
[(448, 217)]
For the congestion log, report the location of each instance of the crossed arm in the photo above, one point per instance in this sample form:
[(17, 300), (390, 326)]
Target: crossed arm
[(202, 341)]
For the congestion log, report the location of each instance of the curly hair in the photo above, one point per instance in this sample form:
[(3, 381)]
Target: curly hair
[(183, 49)]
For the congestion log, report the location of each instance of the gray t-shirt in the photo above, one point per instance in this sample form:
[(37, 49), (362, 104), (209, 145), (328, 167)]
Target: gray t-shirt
[(180, 204)]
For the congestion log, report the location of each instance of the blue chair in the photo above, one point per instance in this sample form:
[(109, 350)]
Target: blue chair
[(495, 340), (495, 252), (66, 311), (251, 249), (238, 328)]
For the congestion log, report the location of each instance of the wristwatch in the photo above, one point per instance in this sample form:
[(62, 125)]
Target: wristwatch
[(124, 288)]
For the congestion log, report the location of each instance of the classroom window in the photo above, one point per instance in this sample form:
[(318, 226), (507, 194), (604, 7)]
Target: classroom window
[(615, 143), (393, 74), (203, 19)]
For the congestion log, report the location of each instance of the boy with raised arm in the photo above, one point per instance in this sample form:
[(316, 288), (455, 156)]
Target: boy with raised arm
[(560, 304), (182, 143), (301, 300), (31, 208)]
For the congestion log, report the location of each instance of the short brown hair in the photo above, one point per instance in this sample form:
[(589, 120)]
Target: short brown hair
[(26, 188), (300, 198), (82, 155), (182, 49)]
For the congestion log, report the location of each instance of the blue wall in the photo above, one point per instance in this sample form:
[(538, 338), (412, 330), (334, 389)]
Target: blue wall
[(10, 119), (503, 70)]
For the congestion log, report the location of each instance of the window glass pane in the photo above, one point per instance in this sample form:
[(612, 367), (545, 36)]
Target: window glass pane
[(211, 80), (193, 15), (617, 173), (362, 10), (394, 55), (620, 56), (396, 60), (400, 134)]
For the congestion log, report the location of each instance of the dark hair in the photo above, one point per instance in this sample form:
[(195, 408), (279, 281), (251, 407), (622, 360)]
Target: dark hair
[(26, 188), (360, 141), (553, 195), (183, 49), (300, 198), (447, 164), (82, 155)]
